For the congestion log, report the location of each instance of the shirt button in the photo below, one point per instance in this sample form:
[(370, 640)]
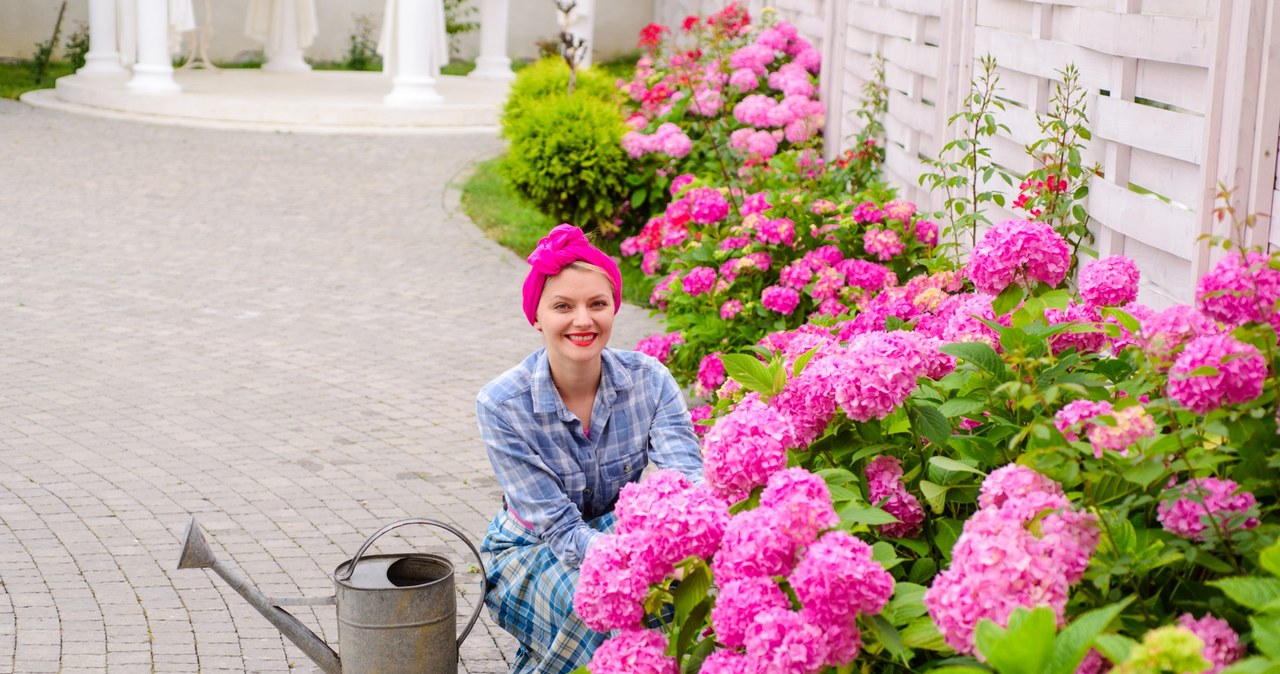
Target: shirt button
[(626, 468), (586, 491)]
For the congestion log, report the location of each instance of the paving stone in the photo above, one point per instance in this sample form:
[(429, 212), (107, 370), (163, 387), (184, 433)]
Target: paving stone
[(279, 334)]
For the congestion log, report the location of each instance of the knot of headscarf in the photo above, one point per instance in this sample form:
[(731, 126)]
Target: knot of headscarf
[(563, 246)]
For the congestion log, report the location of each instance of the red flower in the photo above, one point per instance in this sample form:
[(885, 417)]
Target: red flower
[(651, 35), (731, 20), (689, 23)]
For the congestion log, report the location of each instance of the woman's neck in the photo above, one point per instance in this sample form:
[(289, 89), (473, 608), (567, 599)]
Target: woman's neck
[(576, 381)]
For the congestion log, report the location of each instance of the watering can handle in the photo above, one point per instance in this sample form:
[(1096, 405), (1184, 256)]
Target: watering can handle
[(484, 583)]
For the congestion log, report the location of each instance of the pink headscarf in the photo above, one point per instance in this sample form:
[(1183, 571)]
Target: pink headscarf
[(557, 250)]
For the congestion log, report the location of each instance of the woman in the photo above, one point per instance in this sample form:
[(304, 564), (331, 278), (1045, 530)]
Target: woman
[(565, 430)]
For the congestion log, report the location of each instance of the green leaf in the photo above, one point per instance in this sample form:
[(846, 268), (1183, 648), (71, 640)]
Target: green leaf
[(1270, 558), (1124, 318), (802, 361), (1025, 647), (699, 653), (693, 625), (888, 635), (958, 407), (858, 513), (1115, 647), (1008, 299), (1255, 665), (1146, 472), (979, 354), (1074, 641), (692, 590), (935, 495), (922, 633), (930, 423), (1266, 635), (748, 371), (907, 603), (954, 466), (946, 533), (1250, 592)]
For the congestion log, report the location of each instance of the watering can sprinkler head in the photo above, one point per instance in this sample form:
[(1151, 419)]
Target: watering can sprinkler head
[(195, 548)]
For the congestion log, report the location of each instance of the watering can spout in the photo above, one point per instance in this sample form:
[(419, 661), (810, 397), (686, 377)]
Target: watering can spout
[(196, 554)]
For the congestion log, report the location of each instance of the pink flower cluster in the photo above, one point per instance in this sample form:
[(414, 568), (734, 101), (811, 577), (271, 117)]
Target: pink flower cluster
[(730, 309), (634, 651), (1163, 334), (1241, 289), (885, 244), (1109, 282), (1221, 643), (886, 490), (1237, 373), (706, 205), (745, 447), (659, 345), (661, 521), (833, 576), (1018, 251), (710, 374), (1079, 337), (999, 563), (759, 143), (668, 139), (698, 280), (780, 299), (1130, 425), (1202, 507)]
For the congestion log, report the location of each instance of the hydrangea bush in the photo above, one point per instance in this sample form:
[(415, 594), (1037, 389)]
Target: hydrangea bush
[(1065, 481)]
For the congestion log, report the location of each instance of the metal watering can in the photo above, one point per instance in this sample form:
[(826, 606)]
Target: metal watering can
[(396, 613)]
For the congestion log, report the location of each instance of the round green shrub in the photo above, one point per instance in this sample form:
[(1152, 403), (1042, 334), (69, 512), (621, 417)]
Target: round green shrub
[(549, 78), (565, 157)]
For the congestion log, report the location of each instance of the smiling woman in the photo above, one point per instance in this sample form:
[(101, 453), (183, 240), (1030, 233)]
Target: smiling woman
[(566, 430)]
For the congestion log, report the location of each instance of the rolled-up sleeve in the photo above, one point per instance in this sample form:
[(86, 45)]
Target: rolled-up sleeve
[(672, 441), (533, 491)]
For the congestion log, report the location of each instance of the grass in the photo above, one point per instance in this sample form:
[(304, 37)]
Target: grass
[(17, 78), (490, 203)]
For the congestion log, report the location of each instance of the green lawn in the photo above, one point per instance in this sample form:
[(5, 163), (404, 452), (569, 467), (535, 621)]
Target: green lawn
[(18, 78)]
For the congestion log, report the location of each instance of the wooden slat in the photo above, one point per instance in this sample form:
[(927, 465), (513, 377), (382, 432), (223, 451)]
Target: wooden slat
[(1163, 175), (1011, 15), (1165, 278), (1146, 219), (911, 113), (883, 20), (1158, 38), (916, 57), (925, 7), (1173, 134), (1181, 86), (1043, 58)]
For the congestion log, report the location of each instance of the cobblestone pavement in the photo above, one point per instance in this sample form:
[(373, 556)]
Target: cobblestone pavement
[(279, 334)]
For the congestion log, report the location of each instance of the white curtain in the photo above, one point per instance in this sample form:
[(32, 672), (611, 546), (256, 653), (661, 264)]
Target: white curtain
[(265, 23), (390, 34), (182, 18)]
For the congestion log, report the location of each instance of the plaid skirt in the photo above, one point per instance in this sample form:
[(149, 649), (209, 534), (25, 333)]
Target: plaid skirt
[(531, 596)]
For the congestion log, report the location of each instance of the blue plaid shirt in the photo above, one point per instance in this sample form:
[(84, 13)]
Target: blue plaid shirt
[(555, 477)]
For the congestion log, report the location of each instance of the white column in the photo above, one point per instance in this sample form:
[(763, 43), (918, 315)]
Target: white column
[(153, 71), (414, 85), (103, 57), (493, 64), (582, 22), (287, 57)]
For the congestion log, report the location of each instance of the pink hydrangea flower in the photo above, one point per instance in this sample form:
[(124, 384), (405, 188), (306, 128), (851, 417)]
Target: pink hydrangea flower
[(866, 274), (634, 651), (753, 57), (827, 285), (1199, 508), (730, 309), (1131, 425), (880, 371), (885, 244), (1074, 416), (754, 111), (796, 275), (900, 210), (808, 402), (706, 205), (793, 80), (776, 231), (780, 299), (1163, 334), (638, 500), (1240, 372), (745, 447), (710, 373), (681, 181), (659, 345), (727, 662), (802, 503), (1109, 282), (699, 280), (886, 490), (743, 79), (739, 602), (837, 579), (784, 641), (867, 212), (612, 584), (927, 232), (755, 203), (1222, 645), (1241, 289), (1080, 337), (1018, 251), (699, 414), (999, 563), (754, 546)]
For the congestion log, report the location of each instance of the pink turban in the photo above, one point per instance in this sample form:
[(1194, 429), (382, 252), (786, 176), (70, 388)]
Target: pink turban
[(557, 250)]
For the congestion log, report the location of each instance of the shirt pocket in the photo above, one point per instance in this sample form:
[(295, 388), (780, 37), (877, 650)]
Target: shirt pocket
[(624, 470)]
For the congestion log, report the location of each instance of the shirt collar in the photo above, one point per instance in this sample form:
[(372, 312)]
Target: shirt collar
[(614, 377)]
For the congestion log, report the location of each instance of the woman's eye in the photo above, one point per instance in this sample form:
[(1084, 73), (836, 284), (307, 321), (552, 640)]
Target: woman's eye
[(601, 304)]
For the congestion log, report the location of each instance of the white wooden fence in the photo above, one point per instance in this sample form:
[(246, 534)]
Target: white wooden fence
[(1182, 95)]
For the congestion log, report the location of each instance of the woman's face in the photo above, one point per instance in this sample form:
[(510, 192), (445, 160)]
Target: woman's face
[(575, 315)]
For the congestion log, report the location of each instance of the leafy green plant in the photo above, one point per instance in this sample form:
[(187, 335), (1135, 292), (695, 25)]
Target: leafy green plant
[(457, 21), (565, 159), (77, 45), (44, 50), (546, 79), (964, 166), (362, 49)]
